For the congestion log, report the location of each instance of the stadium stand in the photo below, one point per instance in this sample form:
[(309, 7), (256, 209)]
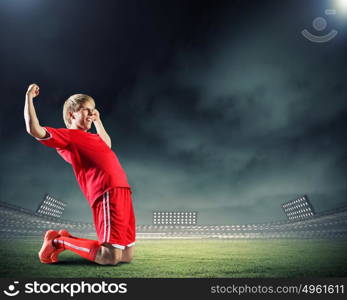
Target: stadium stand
[(20, 222)]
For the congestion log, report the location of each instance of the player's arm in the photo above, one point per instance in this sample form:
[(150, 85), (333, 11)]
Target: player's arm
[(100, 128), (32, 123)]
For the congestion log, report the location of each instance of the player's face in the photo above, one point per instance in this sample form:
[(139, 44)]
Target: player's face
[(83, 118)]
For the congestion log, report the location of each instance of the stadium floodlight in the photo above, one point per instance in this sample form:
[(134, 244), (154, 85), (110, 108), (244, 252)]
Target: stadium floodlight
[(51, 207), (174, 218), (298, 209)]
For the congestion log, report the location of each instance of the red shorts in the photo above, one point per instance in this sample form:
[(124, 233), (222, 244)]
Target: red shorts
[(114, 218)]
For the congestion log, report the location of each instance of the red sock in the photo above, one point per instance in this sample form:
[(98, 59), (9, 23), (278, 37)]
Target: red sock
[(83, 247)]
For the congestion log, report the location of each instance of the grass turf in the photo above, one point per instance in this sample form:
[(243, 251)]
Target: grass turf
[(189, 258)]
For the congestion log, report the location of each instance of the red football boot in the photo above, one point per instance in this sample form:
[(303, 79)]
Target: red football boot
[(47, 247)]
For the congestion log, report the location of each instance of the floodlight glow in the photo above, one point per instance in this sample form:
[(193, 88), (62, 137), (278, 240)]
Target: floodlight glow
[(341, 5)]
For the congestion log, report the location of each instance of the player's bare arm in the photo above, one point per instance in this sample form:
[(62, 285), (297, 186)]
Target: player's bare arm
[(100, 128), (32, 123)]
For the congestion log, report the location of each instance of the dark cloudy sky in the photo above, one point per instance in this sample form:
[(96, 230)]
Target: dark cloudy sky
[(223, 108)]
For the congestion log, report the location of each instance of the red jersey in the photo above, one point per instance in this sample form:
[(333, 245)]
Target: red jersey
[(95, 165)]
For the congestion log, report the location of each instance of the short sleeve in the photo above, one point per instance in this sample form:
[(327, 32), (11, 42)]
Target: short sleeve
[(58, 138)]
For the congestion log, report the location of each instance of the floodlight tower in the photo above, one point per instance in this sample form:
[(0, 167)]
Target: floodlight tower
[(298, 209), (51, 207), (175, 217)]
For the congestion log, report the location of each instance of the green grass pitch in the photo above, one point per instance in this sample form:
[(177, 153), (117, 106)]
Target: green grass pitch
[(189, 259)]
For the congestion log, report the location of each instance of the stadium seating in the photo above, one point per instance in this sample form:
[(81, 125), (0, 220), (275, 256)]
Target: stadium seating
[(19, 222)]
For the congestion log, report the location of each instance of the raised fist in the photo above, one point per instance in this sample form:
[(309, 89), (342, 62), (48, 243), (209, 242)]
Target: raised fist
[(96, 115), (33, 90)]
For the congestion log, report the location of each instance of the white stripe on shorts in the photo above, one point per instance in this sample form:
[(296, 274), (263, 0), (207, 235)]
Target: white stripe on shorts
[(118, 246), (104, 209), (123, 247), (108, 215)]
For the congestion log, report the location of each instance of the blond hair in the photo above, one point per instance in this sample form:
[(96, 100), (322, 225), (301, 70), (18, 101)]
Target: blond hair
[(72, 104)]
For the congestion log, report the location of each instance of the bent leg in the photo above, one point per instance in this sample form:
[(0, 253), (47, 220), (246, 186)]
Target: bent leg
[(108, 255), (83, 247), (115, 226), (104, 254), (127, 254)]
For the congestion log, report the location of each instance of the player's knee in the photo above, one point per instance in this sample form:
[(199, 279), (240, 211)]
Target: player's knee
[(108, 256), (114, 262), (115, 256), (108, 260), (127, 258)]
